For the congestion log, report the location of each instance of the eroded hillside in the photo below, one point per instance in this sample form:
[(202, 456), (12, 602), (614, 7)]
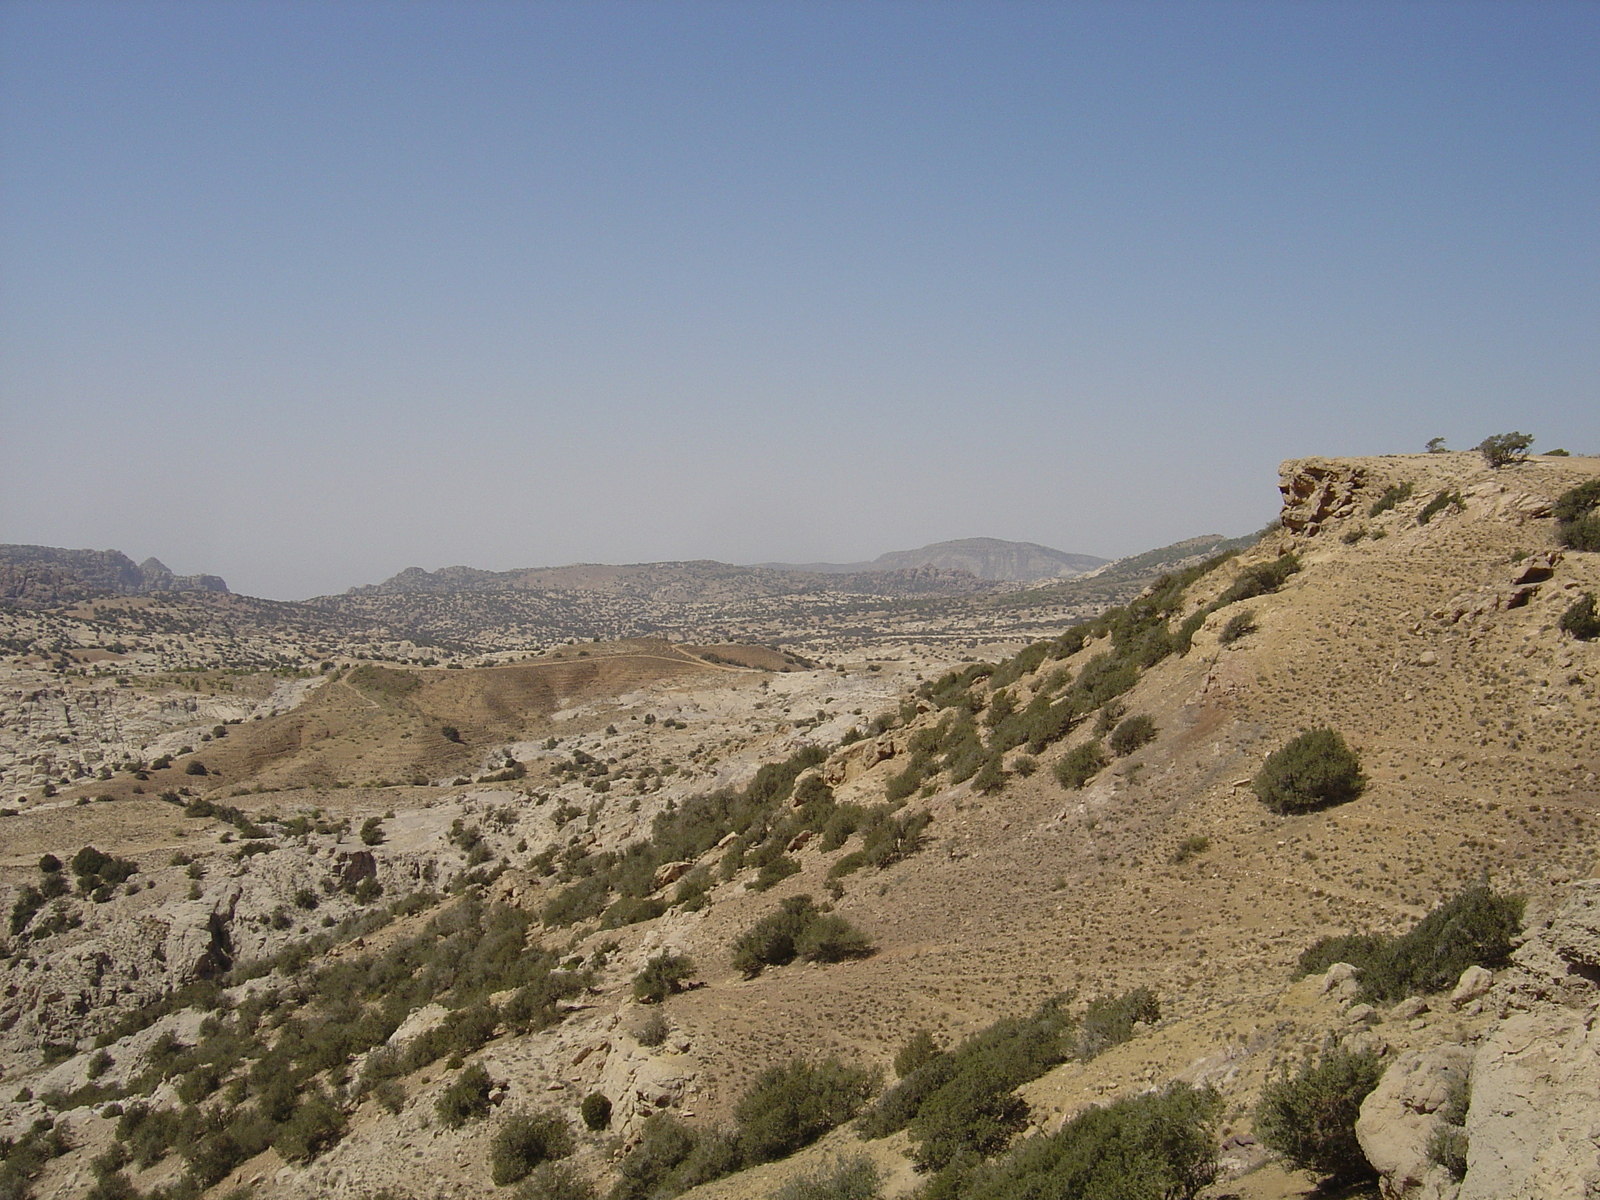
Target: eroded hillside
[(960, 821)]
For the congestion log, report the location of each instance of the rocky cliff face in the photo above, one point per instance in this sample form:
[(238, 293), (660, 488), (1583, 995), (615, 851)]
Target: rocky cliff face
[(51, 575)]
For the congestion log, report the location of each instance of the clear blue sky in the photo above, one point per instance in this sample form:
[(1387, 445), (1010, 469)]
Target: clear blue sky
[(305, 293)]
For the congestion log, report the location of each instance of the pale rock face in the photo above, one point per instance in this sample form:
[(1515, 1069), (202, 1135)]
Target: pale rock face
[(1534, 1124), (1575, 932), (1360, 1014), (640, 1083), (424, 1020), (1340, 978), (1475, 981), (1398, 1118), (1316, 490)]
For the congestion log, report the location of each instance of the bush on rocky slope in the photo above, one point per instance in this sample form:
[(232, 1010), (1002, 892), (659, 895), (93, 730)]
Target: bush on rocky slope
[(853, 1179), (961, 1102), (763, 823), (1080, 764), (1314, 770), (1581, 620), (1109, 1020), (1477, 927), (663, 975), (799, 929), (1505, 449), (1577, 518), (788, 1107), (255, 1077), (1158, 1145), (526, 1139), (1310, 1117)]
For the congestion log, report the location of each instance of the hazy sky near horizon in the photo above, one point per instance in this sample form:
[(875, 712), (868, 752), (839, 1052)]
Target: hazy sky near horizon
[(303, 293)]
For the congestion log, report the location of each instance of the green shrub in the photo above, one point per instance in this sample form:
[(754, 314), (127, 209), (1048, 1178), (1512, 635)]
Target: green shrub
[(1438, 504), (1504, 449), (1577, 502), (630, 910), (797, 929), (1155, 1146), (663, 975), (770, 942), (596, 1111), (1314, 770), (1581, 620), (390, 1094), (775, 872), (905, 783), (523, 1141), (654, 1031), (960, 1103), (793, 1105), (971, 1116), (1310, 1118), (555, 1181), (1104, 677), (1080, 764), (581, 900), (1577, 521), (1395, 493), (852, 1179), (1447, 1146), (1476, 927), (27, 904), (920, 1049), (1109, 1020), (1194, 844), (315, 1125), (1240, 625), (95, 869), (991, 777), (1133, 732), (649, 1169), (467, 1098), (1259, 580), (829, 938), (1582, 534)]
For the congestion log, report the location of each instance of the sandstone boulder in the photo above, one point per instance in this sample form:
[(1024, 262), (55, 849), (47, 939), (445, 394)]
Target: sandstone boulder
[(1536, 569), (1399, 1117), (197, 944), (1361, 1014), (856, 759), (670, 873), (640, 1083), (1474, 982), (424, 1020), (1340, 980), (1316, 490)]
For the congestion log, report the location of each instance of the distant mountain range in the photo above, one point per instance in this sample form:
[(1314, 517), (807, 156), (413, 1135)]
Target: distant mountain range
[(986, 558), (950, 590), (46, 574)]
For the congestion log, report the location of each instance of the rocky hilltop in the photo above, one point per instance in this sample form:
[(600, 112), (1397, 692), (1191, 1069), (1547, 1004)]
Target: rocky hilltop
[(351, 938), (50, 575), (986, 558)]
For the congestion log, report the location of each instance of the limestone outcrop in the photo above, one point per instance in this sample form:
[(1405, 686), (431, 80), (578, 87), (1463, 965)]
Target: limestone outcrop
[(1317, 490), (1399, 1118)]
